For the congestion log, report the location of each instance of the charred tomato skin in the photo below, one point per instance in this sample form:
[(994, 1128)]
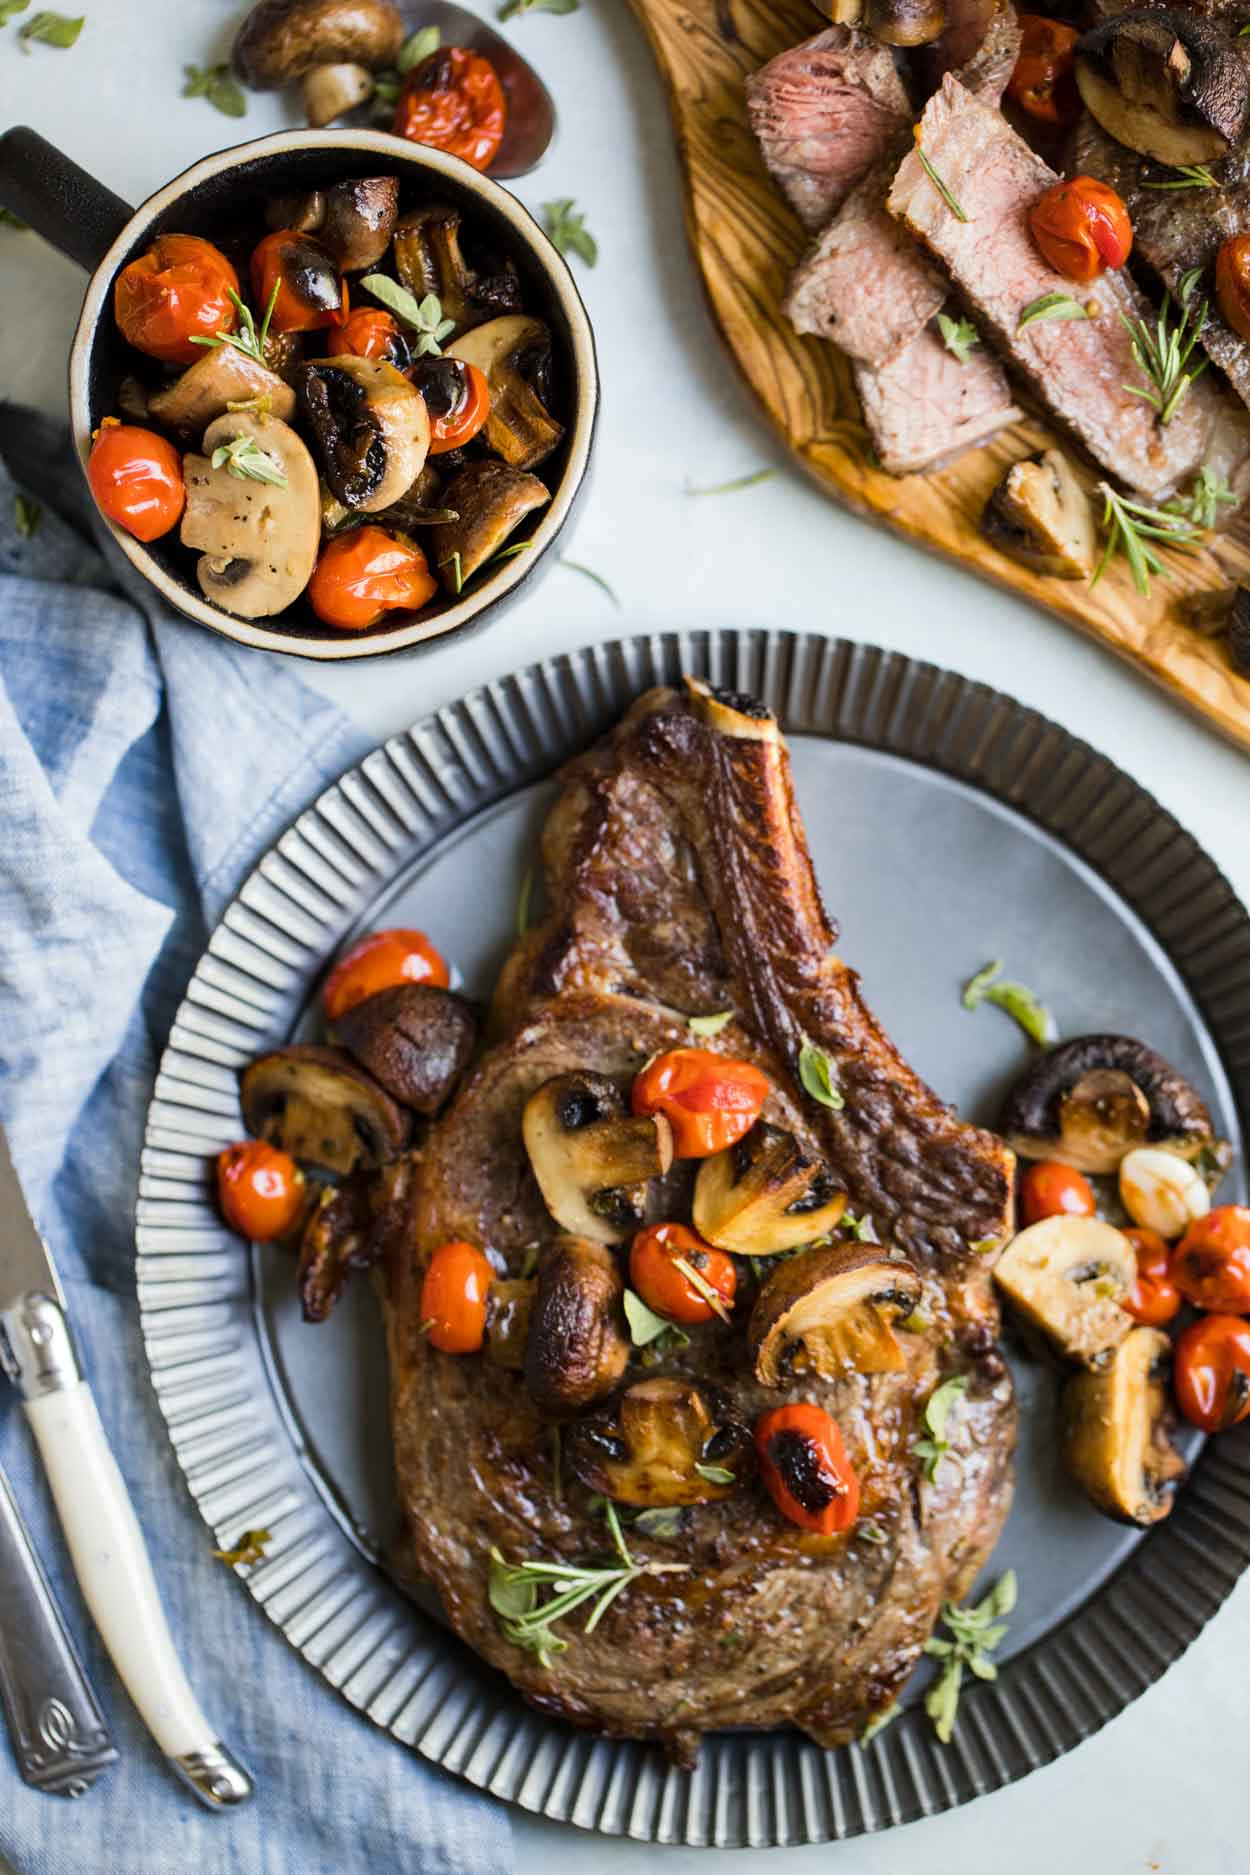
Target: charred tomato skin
[(380, 961), (454, 1296), (1211, 1263), (454, 101), (457, 397), (1232, 283), (311, 293), (1211, 1371), (1052, 1189), (805, 1469), (668, 1290), (1043, 82), (260, 1189), (1153, 1299), (1081, 227), (709, 1100)]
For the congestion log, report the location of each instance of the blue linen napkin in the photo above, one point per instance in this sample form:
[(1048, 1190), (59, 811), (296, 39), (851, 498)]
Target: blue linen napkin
[(144, 765)]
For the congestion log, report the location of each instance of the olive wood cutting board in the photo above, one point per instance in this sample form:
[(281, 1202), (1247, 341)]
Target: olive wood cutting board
[(746, 241)]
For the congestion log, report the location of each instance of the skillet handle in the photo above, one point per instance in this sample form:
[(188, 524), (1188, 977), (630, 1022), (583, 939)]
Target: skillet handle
[(60, 201)]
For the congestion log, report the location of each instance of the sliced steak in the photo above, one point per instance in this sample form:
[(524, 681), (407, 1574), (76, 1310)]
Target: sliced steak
[(823, 114), (678, 879), (979, 44), (924, 408), (1078, 368)]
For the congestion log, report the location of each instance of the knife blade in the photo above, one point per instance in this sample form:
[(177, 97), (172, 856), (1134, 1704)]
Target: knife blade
[(105, 1542)]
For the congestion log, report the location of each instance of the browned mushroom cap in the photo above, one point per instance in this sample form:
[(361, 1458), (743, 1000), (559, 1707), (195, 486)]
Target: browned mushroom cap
[(513, 353), (321, 1108), (1069, 1276), (1115, 1432), (1090, 1101), (490, 500), (830, 1311), (905, 22), (1041, 516), (1168, 84), (509, 1306), (661, 1443), (370, 426), (220, 377), (415, 1041), (352, 1227), (591, 1159), (576, 1348), (765, 1194), (282, 40), (359, 218)]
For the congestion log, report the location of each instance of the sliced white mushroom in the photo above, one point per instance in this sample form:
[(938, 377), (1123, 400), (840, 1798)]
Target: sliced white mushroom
[(832, 1310), (591, 1159), (1069, 1277), (258, 540), (221, 376), (765, 1194), (1162, 1192), (370, 426), (1115, 1432)]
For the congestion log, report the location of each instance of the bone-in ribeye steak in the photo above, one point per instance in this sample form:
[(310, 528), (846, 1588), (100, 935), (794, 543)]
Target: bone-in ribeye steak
[(678, 881)]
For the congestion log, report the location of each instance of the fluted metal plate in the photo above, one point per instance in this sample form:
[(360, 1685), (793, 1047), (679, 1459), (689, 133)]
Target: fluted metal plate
[(1137, 910)]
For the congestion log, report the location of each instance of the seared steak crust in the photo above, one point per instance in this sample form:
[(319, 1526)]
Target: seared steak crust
[(678, 881)]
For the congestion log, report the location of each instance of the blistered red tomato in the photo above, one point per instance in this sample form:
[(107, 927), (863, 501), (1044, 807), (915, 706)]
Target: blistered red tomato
[(369, 333), (805, 1469), (363, 574), (136, 478), (1232, 282), (454, 101), (1043, 82), (381, 961), (1211, 1371), (261, 1190), (1049, 1189), (680, 1276), (1081, 227), (1211, 1263), (301, 279), (457, 397), (1153, 1298), (709, 1100), (454, 1297), (177, 292)]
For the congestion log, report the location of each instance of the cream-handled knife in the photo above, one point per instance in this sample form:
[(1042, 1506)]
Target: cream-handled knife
[(105, 1542)]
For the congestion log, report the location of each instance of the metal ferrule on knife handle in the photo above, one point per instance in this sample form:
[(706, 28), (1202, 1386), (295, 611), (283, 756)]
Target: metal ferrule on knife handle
[(36, 1347)]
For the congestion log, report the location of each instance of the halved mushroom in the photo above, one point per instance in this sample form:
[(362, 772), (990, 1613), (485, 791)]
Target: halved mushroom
[(351, 1228), (576, 1346), (663, 1442), (370, 425), (830, 1311), (321, 1108), (514, 353), (1069, 1276), (1041, 516), (1115, 1432), (490, 501), (509, 1307), (333, 46), (258, 542), (591, 1159), (303, 212), (1089, 1101), (1168, 84), (220, 376), (415, 1041), (765, 1194)]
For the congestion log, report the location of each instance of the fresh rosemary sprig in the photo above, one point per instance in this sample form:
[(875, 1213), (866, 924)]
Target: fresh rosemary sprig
[(958, 335), (1130, 526), (1187, 176), (1203, 502), (975, 1633), (752, 480), (1162, 354), (588, 572), (701, 1286), (940, 186), (243, 458), (247, 339), (935, 1448), (517, 1589)]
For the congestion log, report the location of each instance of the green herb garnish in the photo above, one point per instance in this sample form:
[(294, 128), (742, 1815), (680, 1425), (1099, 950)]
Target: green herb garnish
[(567, 230), (1130, 526), (878, 1722), (509, 553), (243, 458), (936, 1413), (816, 1072), (454, 561), (250, 1548), (1162, 354), (702, 1287), (664, 1520), (1187, 176), (588, 572), (1051, 306), (218, 84), (425, 316), (716, 1474), (862, 1228), (511, 8), (246, 338), (9, 9), (27, 514), (645, 1326), (523, 902), (709, 1025), (416, 48), (1201, 506), (958, 336), (51, 29), (940, 186), (975, 1633), (1017, 1001), (731, 488)]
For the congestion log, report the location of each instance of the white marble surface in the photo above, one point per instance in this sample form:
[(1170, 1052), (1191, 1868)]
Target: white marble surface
[(1165, 1788)]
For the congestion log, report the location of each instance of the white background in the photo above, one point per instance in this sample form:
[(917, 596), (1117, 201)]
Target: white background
[(1165, 1790)]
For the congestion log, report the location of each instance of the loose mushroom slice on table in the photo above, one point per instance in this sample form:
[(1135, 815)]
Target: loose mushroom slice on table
[(257, 540), (591, 1159), (319, 1106), (1041, 516), (221, 376), (1166, 83), (1069, 1277), (370, 426), (352, 1227), (1115, 1431), (831, 1310), (333, 47), (576, 1347), (663, 1442), (415, 1040), (513, 353), (1089, 1101), (490, 501), (765, 1194)]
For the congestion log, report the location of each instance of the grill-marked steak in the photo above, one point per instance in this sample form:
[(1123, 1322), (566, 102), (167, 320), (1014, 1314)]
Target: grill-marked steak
[(678, 880)]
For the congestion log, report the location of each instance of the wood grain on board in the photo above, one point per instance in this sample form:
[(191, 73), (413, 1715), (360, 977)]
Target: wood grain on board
[(746, 241)]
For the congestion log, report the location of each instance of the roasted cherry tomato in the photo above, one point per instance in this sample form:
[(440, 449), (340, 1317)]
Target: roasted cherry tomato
[(1043, 83), (1050, 1189), (381, 961), (682, 1294), (454, 100), (136, 478), (1232, 283), (453, 1298), (709, 1101), (805, 1469), (365, 573), (1154, 1298), (261, 1190), (1211, 1263), (176, 292), (1211, 1371), (370, 333), (1081, 227), (310, 290), (457, 397)]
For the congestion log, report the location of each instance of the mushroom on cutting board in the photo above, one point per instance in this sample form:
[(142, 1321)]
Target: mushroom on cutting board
[(257, 540), (576, 1346), (1114, 1432), (1069, 1276), (765, 1194), (1041, 516), (830, 1311), (333, 47), (221, 376), (511, 353), (490, 501), (592, 1159), (661, 1443), (370, 426), (321, 1108), (1168, 84)]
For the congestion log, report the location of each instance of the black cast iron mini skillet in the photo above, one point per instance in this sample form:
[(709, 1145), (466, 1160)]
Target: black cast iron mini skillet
[(94, 227)]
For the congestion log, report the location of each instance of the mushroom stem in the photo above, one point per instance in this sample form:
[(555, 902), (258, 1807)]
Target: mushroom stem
[(330, 91)]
